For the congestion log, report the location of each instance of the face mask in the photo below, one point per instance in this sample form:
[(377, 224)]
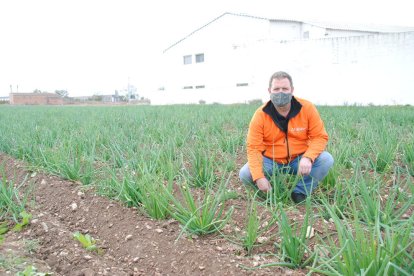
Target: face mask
[(280, 99)]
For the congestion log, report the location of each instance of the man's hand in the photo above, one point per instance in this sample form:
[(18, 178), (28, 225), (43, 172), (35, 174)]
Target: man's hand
[(263, 184), (305, 166)]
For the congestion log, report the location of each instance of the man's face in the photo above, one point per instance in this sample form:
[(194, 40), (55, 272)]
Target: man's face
[(282, 85)]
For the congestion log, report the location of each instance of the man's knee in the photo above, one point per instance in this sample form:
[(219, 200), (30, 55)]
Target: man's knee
[(245, 175), (326, 160)]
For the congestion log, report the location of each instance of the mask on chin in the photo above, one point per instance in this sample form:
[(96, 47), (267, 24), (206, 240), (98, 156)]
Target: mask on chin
[(280, 99)]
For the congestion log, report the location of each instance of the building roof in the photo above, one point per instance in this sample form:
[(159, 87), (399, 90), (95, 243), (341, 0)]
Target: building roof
[(35, 94), (360, 27), (322, 24)]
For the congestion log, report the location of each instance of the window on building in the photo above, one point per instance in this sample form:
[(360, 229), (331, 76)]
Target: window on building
[(199, 58), (187, 87), (242, 84), (187, 59), (306, 35), (200, 86)]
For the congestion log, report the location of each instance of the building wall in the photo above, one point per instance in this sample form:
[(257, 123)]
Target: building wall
[(285, 30), (227, 47), (345, 33), (363, 68), (220, 42), (313, 32), (35, 99), (294, 30)]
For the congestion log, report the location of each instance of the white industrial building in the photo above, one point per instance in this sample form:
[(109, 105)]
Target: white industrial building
[(230, 60)]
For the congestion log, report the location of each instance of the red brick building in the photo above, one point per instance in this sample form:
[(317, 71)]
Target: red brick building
[(35, 99)]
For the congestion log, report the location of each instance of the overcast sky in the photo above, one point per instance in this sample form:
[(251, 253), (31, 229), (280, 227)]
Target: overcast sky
[(91, 46)]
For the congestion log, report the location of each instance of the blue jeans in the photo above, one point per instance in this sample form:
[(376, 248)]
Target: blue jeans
[(306, 184)]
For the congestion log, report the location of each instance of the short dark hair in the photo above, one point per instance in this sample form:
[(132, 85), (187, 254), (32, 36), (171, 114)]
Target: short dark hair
[(280, 75)]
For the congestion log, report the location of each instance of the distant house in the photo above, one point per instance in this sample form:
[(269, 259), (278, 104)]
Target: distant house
[(97, 99), (230, 58), (35, 99), (4, 99), (111, 98)]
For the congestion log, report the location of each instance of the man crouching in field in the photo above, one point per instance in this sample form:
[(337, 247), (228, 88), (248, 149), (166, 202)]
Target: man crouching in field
[(288, 135)]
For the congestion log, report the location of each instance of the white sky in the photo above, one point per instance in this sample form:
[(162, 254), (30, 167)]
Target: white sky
[(96, 46)]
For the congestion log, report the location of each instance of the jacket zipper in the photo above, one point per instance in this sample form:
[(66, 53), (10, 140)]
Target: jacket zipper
[(287, 142)]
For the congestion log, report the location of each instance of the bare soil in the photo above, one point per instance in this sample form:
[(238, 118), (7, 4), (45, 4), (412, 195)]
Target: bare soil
[(131, 243)]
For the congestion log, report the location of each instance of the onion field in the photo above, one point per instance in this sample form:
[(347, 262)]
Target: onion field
[(181, 163)]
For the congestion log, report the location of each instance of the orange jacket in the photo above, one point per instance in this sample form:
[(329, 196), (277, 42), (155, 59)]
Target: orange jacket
[(305, 135)]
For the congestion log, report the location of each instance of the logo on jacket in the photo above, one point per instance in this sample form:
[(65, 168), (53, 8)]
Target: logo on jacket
[(297, 129)]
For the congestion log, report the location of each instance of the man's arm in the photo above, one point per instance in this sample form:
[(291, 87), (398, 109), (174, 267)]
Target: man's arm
[(318, 138), (255, 146)]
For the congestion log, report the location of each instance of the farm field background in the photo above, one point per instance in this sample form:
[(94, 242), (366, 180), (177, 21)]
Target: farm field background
[(171, 173)]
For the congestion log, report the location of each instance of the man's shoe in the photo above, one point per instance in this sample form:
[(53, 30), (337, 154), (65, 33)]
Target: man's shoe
[(298, 197)]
